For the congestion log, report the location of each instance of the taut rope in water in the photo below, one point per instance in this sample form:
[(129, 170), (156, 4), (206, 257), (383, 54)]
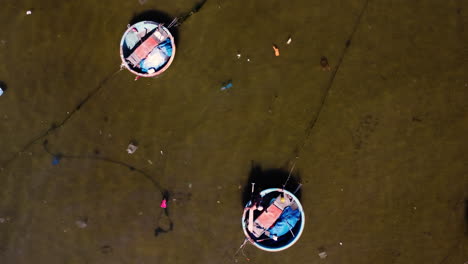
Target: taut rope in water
[(181, 19)]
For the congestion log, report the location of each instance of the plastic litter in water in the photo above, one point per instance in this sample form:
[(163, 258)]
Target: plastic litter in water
[(163, 203), (131, 148), (29, 12), (289, 41), (1, 91), (227, 86), (81, 223), (276, 50), (56, 160)]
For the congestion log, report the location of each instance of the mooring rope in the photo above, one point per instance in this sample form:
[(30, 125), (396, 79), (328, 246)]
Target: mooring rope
[(313, 121), (55, 126), (181, 19)]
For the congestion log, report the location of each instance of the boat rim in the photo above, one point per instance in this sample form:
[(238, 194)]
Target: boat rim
[(292, 242), (160, 71)]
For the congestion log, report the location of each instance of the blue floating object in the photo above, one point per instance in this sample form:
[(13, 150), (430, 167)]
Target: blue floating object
[(56, 160), (227, 86)]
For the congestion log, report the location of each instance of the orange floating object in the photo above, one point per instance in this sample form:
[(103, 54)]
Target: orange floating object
[(275, 48)]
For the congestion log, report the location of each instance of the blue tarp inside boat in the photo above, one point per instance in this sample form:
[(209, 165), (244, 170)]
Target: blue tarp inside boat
[(286, 222)]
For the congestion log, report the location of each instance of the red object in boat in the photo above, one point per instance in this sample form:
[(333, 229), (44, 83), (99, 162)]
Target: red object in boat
[(269, 216), (143, 50)]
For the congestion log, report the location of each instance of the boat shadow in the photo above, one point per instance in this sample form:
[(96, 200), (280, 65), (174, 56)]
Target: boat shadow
[(269, 178), (3, 86), (159, 17)]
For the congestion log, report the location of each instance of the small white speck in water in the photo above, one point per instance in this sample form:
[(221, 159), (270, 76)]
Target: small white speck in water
[(81, 223)]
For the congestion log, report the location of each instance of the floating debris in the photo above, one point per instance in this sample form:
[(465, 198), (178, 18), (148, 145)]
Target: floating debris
[(1, 91), (238, 55), (163, 203), (56, 159), (276, 50), (323, 255), (226, 85), (29, 12), (82, 223), (324, 63), (106, 249), (289, 41), (190, 186), (131, 148)]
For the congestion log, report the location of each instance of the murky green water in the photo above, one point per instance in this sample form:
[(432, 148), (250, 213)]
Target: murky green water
[(384, 166)]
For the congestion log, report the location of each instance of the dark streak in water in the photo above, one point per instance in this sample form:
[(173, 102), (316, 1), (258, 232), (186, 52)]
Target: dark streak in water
[(164, 193), (194, 10), (314, 120), (45, 145), (56, 126)]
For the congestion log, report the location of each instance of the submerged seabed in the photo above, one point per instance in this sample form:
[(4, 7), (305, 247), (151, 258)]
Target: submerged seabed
[(380, 138)]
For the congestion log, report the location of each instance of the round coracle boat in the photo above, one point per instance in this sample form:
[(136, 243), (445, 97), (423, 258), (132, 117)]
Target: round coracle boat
[(273, 220), (147, 49)]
